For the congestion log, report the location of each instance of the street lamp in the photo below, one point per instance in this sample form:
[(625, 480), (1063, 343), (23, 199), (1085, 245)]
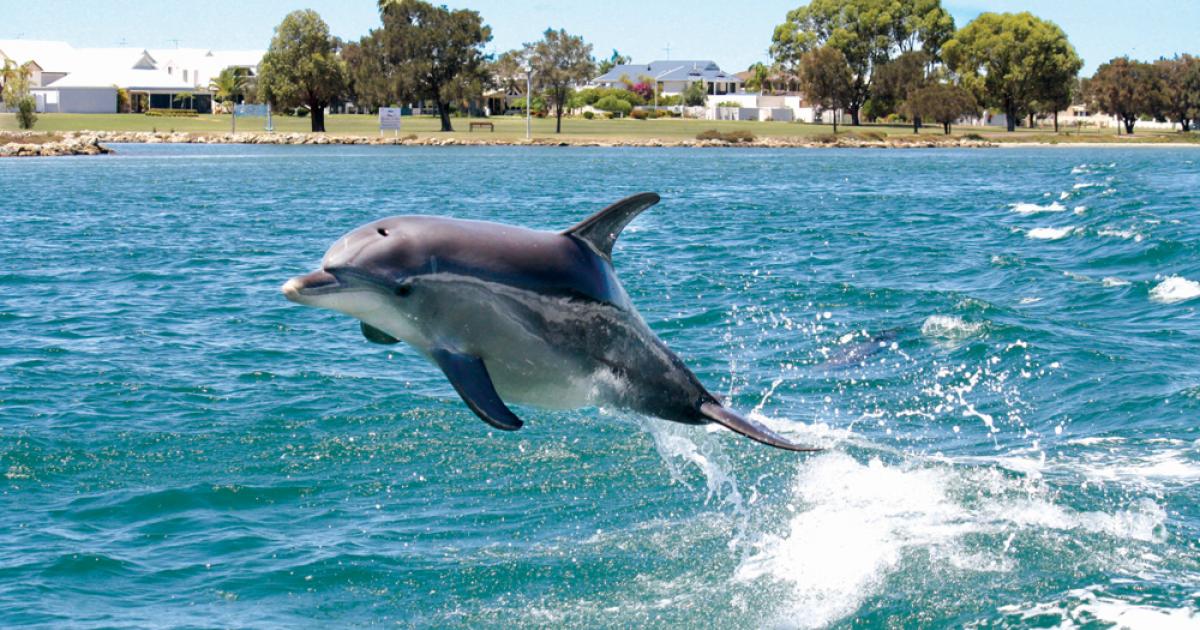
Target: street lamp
[(528, 97)]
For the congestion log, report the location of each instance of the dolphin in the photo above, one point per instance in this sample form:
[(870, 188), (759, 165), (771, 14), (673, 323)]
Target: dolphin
[(513, 315)]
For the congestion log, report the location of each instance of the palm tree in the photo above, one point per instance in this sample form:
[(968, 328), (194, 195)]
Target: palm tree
[(228, 85)]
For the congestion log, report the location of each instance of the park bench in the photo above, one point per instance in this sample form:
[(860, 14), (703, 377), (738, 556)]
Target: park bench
[(481, 125)]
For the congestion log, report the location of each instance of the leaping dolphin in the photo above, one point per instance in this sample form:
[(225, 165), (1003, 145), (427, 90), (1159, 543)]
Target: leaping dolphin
[(517, 315)]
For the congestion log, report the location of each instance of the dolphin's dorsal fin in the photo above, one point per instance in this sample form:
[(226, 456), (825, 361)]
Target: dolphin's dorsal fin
[(601, 229), (470, 379)]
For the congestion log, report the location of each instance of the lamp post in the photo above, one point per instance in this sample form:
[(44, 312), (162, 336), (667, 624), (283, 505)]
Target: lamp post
[(528, 98)]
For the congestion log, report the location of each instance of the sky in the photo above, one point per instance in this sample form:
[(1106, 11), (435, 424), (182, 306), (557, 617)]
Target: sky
[(734, 35)]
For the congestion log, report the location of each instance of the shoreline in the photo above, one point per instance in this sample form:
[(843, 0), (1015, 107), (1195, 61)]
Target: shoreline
[(53, 144)]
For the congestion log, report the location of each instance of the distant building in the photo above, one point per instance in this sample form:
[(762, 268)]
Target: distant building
[(86, 80), (673, 77)]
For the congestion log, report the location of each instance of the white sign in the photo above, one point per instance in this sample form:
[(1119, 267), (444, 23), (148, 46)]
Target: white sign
[(389, 118)]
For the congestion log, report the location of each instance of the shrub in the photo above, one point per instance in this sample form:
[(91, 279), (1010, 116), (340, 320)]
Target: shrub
[(609, 115), (729, 104), (589, 115), (639, 114), (695, 95), (614, 105), (26, 112), (973, 136), (825, 138), (172, 113), (737, 135), (874, 136)]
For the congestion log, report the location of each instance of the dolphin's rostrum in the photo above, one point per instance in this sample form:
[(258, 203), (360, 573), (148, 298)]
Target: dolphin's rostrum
[(516, 315)]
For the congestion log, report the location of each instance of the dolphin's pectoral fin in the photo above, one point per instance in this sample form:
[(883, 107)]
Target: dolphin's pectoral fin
[(470, 379), (739, 424), (374, 335), (601, 229)]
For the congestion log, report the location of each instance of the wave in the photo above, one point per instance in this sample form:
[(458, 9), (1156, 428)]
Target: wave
[(1050, 233), (852, 525), (1033, 208), (1175, 289), (950, 330)]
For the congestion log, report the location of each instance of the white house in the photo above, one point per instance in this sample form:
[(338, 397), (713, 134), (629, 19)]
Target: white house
[(672, 77), (86, 80)]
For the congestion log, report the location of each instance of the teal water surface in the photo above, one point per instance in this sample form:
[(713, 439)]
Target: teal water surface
[(997, 347)]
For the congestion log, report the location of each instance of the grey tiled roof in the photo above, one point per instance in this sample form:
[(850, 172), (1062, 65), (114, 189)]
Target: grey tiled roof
[(673, 70)]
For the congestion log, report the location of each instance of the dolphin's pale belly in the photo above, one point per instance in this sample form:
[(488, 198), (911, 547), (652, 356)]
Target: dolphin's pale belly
[(539, 350)]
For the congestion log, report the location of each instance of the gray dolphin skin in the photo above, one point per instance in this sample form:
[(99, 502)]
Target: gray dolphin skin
[(516, 315)]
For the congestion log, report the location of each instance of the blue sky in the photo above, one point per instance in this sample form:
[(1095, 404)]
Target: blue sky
[(734, 34)]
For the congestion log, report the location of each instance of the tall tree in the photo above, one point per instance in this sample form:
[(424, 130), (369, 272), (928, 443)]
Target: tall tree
[(560, 61), (507, 72), (867, 32), (302, 66), (944, 103), (436, 53), (1180, 89), (760, 75), (827, 80), (371, 78), (897, 80), (1126, 89), (1009, 59)]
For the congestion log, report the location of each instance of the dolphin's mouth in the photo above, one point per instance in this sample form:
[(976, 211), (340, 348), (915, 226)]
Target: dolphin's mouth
[(324, 282), (319, 282)]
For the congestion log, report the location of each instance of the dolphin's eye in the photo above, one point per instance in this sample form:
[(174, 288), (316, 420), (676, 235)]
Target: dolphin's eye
[(382, 231), (403, 290)]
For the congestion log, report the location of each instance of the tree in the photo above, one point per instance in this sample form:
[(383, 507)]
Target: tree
[(302, 67), (615, 105), (944, 103), (827, 80), (1126, 89), (15, 93), (760, 75), (897, 80), (507, 72), (1180, 99), (1011, 59), (436, 54), (369, 78), (694, 95), (227, 85), (560, 61), (867, 32), (617, 59)]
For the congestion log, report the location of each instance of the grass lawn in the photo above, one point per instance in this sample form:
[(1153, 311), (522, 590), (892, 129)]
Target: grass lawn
[(513, 127)]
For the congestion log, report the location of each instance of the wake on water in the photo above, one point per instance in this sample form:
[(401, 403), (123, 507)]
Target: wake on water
[(864, 518)]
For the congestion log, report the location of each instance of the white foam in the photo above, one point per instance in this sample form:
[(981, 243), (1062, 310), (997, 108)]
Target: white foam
[(854, 524), (1175, 289), (1050, 233), (1085, 608), (1033, 208), (950, 330), (1113, 281), (1125, 234)]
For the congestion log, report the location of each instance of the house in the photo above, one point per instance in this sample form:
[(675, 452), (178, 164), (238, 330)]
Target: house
[(52, 59), (672, 77), (88, 80)]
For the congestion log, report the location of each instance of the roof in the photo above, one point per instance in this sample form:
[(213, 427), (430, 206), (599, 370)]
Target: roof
[(50, 56), (129, 79), (668, 70)]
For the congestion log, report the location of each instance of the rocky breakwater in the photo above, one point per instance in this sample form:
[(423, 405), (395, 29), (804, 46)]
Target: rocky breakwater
[(822, 141), (26, 144)]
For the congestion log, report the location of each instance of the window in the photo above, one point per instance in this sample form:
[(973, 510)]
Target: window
[(185, 76)]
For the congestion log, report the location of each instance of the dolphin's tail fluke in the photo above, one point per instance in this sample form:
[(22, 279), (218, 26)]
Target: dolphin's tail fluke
[(739, 424)]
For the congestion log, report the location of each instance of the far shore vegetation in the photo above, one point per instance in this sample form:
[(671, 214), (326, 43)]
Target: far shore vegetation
[(512, 128), (888, 65)]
